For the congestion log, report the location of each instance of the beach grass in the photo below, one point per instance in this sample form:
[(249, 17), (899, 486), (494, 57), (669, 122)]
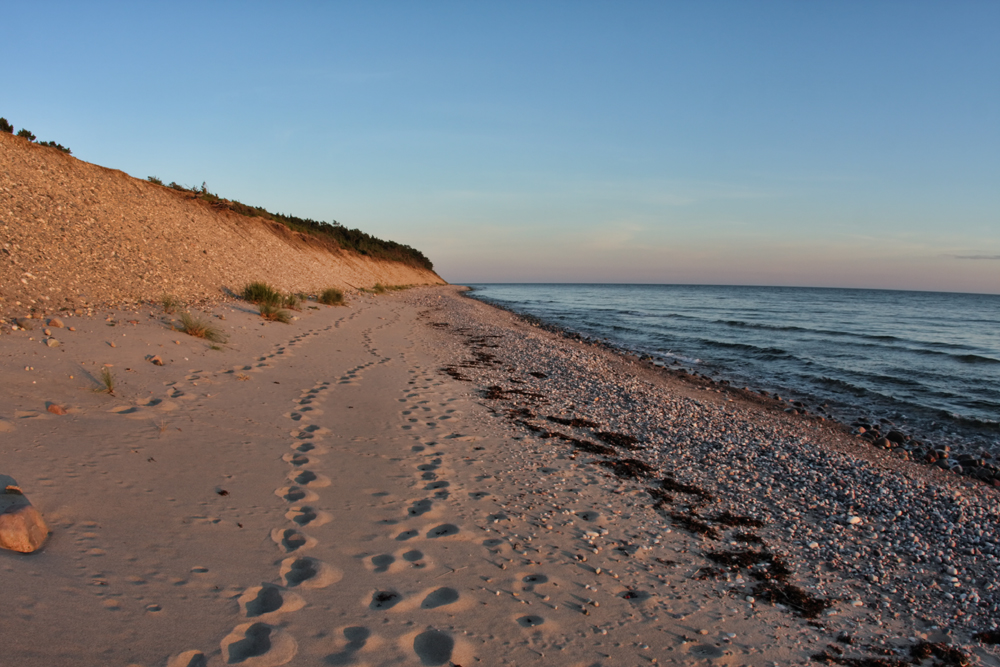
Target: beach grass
[(332, 296), (273, 312), (199, 328), (260, 292), (108, 381), (170, 303)]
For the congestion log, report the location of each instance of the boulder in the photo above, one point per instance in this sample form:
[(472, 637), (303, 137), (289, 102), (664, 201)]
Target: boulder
[(24, 323), (56, 323), (22, 527)]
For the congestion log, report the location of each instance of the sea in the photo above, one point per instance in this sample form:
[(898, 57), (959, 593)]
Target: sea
[(926, 361)]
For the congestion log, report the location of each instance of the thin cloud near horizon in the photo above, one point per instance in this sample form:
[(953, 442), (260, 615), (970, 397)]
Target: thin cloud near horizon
[(995, 257)]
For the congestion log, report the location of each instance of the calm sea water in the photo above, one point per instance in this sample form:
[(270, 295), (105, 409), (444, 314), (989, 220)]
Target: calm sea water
[(925, 358)]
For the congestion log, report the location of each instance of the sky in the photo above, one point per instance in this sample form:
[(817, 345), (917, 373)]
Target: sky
[(840, 144)]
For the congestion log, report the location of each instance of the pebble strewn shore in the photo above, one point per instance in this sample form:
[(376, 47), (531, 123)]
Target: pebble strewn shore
[(909, 543)]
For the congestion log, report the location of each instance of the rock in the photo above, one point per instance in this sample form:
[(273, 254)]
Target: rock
[(155, 359), (56, 409), (56, 323), (24, 323), (853, 521), (21, 525), (896, 436), (52, 342)]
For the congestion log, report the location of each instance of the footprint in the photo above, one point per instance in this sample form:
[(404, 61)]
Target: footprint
[(291, 540), (413, 556), (308, 572), (356, 637), (309, 478), (433, 647), (420, 507), (294, 494), (308, 516), (437, 485), (295, 459), (530, 621), (478, 495), (382, 562), (439, 598), (385, 600), (188, 659), (406, 535), (589, 516), (258, 645), (267, 600), (444, 530)]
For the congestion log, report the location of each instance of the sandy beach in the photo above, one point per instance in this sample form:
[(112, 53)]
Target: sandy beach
[(421, 479)]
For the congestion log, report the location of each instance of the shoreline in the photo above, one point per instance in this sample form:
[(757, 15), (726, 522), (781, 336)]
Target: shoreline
[(913, 443), (380, 484)]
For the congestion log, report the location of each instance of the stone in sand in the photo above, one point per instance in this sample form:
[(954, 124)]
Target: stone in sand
[(24, 323), (156, 360), (56, 409), (21, 525)]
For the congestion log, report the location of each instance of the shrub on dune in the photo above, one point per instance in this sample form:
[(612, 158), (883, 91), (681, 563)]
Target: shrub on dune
[(273, 312), (261, 293), (199, 328)]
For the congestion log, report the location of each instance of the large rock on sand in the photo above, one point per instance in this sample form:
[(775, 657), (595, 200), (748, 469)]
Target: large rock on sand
[(22, 527)]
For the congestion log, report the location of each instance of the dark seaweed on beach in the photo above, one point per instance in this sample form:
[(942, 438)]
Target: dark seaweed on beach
[(440, 325), (827, 657), (540, 376), (779, 592), (988, 637), (619, 440), (628, 468), (670, 484), (575, 422), (692, 524), (454, 372), (947, 656), (661, 497), (749, 538), (496, 392), (729, 519), (588, 446), (537, 430), (522, 413)]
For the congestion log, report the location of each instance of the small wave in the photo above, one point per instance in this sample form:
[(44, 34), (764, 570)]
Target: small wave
[(976, 359)]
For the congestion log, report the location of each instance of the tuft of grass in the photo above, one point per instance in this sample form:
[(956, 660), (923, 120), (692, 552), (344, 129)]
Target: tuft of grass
[(274, 313), (214, 347), (199, 328), (170, 303), (108, 380), (379, 288), (262, 293), (332, 296), (155, 180), (292, 301)]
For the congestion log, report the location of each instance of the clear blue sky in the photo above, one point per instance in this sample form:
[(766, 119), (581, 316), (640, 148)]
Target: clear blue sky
[(780, 143)]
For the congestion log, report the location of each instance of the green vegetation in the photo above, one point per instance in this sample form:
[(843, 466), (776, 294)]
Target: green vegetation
[(199, 328), (25, 133), (351, 239), (273, 312), (154, 180), (261, 293), (332, 296), (52, 144), (292, 301)]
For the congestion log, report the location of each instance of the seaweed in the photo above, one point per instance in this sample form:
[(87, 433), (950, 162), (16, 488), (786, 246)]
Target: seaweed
[(693, 524), (661, 497), (779, 592), (628, 468), (988, 636), (670, 484), (749, 538), (948, 655), (773, 567), (540, 376), (728, 519), (619, 440), (454, 372), (575, 422)]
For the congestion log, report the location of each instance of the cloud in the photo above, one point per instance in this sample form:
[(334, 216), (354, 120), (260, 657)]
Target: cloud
[(994, 257)]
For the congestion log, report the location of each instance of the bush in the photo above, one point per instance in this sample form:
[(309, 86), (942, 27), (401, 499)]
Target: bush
[(199, 328), (332, 297), (271, 311), (154, 180), (6, 127), (52, 144), (292, 301), (170, 303), (262, 293), (26, 134), (379, 289)]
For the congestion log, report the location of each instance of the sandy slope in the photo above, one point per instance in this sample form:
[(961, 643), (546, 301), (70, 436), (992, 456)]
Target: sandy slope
[(74, 233), (321, 493)]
